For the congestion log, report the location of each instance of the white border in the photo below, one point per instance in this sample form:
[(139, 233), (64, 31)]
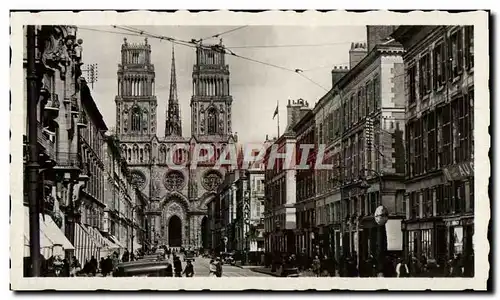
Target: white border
[(311, 18)]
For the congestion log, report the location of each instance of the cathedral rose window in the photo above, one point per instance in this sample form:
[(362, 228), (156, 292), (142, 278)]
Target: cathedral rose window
[(211, 180), (174, 181), (138, 179)]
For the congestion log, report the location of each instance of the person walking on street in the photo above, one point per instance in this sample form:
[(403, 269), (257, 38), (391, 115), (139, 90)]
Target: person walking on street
[(93, 266), (402, 269), (316, 266), (212, 268), (177, 267), (189, 270), (218, 267)]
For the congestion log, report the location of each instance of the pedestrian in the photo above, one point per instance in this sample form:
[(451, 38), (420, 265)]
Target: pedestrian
[(218, 267), (212, 269), (316, 266), (189, 270), (177, 267), (75, 266), (93, 266), (125, 256), (402, 269)]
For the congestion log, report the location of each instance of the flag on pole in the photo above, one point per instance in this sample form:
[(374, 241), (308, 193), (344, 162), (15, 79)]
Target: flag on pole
[(275, 111)]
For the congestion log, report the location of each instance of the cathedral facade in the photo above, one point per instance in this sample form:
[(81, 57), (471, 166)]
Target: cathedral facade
[(163, 167)]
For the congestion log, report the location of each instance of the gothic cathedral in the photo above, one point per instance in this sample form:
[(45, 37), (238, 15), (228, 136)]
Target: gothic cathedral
[(160, 166)]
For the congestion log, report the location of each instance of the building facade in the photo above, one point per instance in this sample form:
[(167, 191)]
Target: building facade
[(439, 89), (178, 186), (281, 185), (373, 150)]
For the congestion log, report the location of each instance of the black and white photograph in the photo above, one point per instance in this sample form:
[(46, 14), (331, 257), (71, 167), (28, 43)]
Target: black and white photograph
[(279, 150)]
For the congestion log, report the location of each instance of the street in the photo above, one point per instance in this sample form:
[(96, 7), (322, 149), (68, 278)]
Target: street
[(201, 269)]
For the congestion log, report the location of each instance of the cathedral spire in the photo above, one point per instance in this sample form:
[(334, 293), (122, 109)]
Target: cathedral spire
[(173, 124)]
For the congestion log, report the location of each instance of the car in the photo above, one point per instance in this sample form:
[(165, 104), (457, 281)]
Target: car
[(144, 269), (189, 255), (228, 258)]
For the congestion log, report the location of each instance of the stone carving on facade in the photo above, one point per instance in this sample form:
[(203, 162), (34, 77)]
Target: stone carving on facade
[(125, 118), (174, 181), (55, 55), (194, 185), (155, 186), (145, 119), (202, 121), (211, 180), (138, 179), (174, 208)]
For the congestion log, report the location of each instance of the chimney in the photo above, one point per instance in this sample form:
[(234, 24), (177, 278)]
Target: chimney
[(378, 34), (356, 54), (293, 112), (338, 73)]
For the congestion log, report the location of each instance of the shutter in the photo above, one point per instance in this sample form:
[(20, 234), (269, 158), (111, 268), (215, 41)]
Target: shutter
[(428, 70), (435, 67), (460, 52), (449, 58)]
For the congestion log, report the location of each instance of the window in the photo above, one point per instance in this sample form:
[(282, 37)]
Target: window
[(469, 47), (418, 143), (361, 103), (136, 119), (376, 93), (414, 206), (212, 121), (471, 193), (456, 49), (355, 107), (424, 76), (411, 84), (427, 205), (369, 96), (426, 237), (439, 65), (446, 154), (355, 159), (431, 141), (464, 150), (361, 154), (412, 242)]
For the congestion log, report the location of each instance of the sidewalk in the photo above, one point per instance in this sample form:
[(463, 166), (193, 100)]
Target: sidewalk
[(267, 271)]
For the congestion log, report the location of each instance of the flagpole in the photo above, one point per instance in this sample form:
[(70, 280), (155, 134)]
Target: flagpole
[(277, 106)]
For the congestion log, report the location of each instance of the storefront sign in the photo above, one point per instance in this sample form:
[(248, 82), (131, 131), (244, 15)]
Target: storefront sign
[(459, 171)]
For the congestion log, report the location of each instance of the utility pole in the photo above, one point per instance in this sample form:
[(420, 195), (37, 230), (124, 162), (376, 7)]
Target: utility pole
[(32, 165)]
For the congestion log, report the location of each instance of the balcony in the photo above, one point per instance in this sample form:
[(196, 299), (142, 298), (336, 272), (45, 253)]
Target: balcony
[(68, 162), (51, 108), (82, 120), (43, 138)]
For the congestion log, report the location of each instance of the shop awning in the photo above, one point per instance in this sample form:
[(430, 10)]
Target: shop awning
[(50, 235), (116, 241), (394, 235), (86, 245), (104, 241)]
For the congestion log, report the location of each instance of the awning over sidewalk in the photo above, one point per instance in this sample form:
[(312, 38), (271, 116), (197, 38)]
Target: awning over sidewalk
[(108, 246), (117, 241), (50, 235), (86, 245)]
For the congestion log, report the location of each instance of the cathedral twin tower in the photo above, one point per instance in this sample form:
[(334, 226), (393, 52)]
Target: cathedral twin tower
[(182, 194)]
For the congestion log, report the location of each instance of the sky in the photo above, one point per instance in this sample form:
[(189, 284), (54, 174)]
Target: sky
[(256, 88)]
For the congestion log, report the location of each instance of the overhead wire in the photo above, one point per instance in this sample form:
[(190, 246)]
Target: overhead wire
[(222, 33), (195, 44)]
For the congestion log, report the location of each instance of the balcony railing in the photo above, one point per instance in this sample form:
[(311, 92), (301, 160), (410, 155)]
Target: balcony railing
[(69, 160), (44, 141)]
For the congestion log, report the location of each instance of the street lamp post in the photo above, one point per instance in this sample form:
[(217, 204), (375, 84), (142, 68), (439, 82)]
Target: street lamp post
[(380, 216)]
